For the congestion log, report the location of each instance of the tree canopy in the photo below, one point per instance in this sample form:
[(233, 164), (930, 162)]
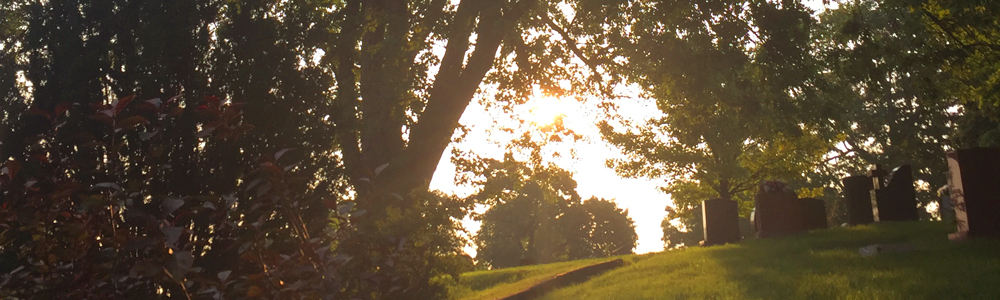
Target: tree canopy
[(755, 90), (536, 216)]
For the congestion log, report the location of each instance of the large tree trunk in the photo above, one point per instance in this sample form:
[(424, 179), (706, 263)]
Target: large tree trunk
[(379, 155)]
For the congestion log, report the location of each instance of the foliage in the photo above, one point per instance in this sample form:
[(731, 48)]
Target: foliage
[(612, 232), (410, 247), (521, 231), (286, 65), (725, 76), (732, 80), (536, 216), (753, 90), (118, 238), (885, 72), (968, 48), (970, 36)]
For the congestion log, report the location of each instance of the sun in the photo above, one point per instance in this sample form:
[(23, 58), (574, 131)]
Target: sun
[(545, 110)]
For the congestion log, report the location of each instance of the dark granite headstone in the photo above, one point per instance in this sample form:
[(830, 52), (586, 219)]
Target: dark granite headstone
[(975, 191), (813, 213), (896, 198), (777, 213), (859, 202), (722, 221)]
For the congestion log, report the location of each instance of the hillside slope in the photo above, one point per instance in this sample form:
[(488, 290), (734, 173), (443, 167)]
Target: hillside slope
[(496, 284), (920, 264)]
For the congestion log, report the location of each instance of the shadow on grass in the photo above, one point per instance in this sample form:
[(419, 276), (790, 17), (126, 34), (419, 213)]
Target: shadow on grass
[(826, 264)]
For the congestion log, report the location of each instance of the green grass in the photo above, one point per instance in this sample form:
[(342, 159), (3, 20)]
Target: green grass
[(821, 264), (494, 284)]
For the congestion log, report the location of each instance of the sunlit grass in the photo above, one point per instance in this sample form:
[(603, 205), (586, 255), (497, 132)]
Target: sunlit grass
[(818, 265), (495, 284)]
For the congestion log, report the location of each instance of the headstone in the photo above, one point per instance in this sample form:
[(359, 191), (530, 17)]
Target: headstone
[(859, 202), (777, 210), (813, 213), (722, 221), (876, 175), (975, 191), (896, 199)]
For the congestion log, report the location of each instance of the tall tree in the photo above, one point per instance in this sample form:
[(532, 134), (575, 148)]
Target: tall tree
[(887, 79), (732, 79)]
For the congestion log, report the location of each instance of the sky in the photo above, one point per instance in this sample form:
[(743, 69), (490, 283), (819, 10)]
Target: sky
[(641, 197)]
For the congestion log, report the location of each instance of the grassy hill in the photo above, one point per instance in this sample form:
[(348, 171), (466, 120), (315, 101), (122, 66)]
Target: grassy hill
[(823, 264), (494, 284)]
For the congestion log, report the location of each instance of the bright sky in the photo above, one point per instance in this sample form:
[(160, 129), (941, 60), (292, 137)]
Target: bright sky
[(645, 203)]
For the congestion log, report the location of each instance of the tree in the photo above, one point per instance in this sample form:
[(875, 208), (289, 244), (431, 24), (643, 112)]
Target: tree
[(398, 103), (967, 47), (526, 202), (536, 216), (613, 232), (519, 232), (732, 79), (887, 75)]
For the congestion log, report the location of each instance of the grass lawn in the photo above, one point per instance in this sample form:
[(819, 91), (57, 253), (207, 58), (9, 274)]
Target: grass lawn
[(494, 284), (821, 264)]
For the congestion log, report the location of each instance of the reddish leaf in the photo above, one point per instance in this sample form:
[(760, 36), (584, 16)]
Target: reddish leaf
[(173, 99), (148, 107), (207, 112), (254, 291), (103, 118), (39, 112), (13, 167), (62, 107), (177, 111), (66, 214), (213, 101), (40, 157), (121, 103), (131, 122)]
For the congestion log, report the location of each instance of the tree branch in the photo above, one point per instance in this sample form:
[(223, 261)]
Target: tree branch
[(570, 42), (865, 155), (453, 90)]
